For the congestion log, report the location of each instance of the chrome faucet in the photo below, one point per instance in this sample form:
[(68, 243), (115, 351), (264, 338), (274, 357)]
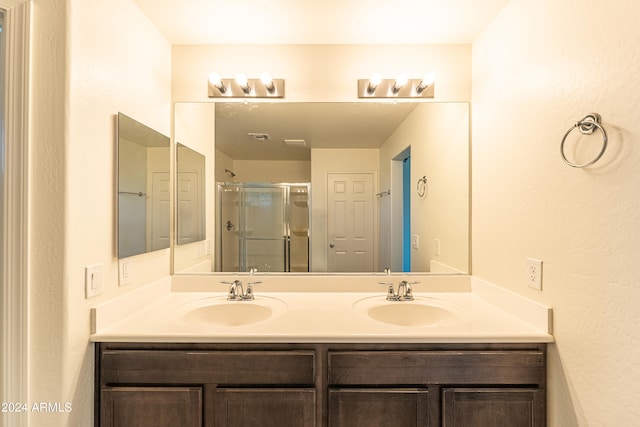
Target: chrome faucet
[(404, 293), (237, 292)]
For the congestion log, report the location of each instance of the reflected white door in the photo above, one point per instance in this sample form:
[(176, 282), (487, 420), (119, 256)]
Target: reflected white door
[(190, 223), (160, 211), (350, 222)]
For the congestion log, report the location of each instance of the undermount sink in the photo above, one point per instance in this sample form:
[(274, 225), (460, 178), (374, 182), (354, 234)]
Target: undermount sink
[(421, 312), (220, 312)]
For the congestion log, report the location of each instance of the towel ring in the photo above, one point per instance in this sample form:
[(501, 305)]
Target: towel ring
[(587, 125), (421, 186)]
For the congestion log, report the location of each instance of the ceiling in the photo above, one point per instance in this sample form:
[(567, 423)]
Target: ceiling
[(320, 22), (319, 124)]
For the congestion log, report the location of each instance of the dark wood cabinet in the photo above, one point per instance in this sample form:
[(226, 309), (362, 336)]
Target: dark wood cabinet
[(497, 407), (156, 406), (318, 385), (378, 407), (238, 407)]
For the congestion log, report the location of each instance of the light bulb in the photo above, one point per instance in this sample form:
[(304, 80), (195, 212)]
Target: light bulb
[(374, 81), (267, 81), (241, 79), (401, 80), (427, 80), (214, 79)]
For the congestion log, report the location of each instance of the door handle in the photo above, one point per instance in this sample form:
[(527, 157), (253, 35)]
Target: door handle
[(331, 245)]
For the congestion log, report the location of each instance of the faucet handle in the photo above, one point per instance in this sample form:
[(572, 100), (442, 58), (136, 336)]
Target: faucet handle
[(249, 294), (391, 295)]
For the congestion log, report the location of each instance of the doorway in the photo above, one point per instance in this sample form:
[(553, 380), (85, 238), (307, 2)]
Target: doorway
[(406, 214), (400, 218)]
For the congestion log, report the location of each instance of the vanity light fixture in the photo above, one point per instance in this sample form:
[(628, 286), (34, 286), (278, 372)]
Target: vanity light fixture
[(243, 87), (400, 87)]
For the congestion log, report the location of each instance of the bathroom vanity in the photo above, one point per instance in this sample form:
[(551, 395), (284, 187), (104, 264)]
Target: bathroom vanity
[(320, 360), (321, 384)]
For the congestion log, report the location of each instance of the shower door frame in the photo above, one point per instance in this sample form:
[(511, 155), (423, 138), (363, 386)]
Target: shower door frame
[(287, 226)]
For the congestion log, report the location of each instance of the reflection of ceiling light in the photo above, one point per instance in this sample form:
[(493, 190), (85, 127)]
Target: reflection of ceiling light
[(261, 137), (295, 143)]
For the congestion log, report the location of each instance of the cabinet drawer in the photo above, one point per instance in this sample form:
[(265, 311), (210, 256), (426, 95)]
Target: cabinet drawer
[(521, 407), (277, 407), (355, 407), (436, 367), (156, 406), (213, 367)]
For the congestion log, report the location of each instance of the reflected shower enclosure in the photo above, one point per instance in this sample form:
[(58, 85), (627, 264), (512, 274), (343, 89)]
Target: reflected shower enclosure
[(263, 226)]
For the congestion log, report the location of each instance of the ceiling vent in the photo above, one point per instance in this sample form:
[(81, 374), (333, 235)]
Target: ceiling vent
[(260, 137), (295, 143)]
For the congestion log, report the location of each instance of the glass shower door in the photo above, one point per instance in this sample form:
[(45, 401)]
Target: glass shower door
[(264, 242)]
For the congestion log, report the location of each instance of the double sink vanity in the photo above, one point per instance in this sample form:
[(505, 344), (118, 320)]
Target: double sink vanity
[(335, 350)]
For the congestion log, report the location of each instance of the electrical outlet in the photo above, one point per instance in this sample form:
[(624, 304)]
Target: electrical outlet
[(92, 280), (415, 241), (125, 273), (436, 247), (534, 273)]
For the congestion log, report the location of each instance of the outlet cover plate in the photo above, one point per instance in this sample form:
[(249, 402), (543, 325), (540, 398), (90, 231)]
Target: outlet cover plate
[(534, 273)]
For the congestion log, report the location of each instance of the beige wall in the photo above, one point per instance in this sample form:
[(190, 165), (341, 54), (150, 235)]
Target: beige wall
[(272, 171), (47, 283), (439, 138), (194, 127), (321, 72), (537, 69), (84, 72)]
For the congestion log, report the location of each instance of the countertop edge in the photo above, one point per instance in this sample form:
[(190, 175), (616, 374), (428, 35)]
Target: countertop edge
[(536, 318)]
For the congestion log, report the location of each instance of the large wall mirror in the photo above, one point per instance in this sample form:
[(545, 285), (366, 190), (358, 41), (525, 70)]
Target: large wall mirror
[(143, 188), (331, 187)]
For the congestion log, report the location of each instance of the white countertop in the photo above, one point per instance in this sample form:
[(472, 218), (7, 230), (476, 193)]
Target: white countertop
[(483, 313)]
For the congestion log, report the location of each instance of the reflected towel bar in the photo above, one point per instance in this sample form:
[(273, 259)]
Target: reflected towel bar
[(139, 193)]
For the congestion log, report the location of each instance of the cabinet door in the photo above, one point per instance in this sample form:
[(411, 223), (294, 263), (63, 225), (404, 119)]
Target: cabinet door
[(273, 407), (151, 406), (471, 407), (378, 407)]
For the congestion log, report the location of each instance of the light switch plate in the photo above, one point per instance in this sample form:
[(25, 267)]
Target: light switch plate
[(92, 280)]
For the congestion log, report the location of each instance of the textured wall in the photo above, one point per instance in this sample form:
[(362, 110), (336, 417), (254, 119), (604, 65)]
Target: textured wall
[(92, 58), (538, 68)]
